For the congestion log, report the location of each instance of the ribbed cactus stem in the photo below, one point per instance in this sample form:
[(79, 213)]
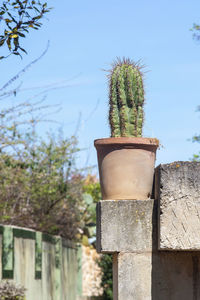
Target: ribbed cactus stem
[(126, 99), (114, 113)]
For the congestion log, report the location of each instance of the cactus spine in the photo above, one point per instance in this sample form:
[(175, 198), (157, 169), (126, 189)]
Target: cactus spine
[(126, 99)]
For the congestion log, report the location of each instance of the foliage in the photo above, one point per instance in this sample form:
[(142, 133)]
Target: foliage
[(196, 157), (196, 30), (11, 291), (196, 139), (126, 99), (39, 187), (91, 195), (92, 187), (105, 263), (17, 18)]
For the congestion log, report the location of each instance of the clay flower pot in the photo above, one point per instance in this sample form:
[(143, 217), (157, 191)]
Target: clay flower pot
[(126, 167)]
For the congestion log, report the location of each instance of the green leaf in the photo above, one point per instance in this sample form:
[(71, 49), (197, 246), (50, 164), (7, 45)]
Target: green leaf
[(8, 20), (23, 50), (87, 199), (16, 42), (14, 36), (8, 43), (2, 42), (38, 17), (12, 17), (21, 34), (36, 9)]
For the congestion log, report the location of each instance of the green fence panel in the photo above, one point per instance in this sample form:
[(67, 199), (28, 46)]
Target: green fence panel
[(7, 253), (47, 266)]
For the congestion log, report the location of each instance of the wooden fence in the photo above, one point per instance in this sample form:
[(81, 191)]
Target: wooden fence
[(49, 267)]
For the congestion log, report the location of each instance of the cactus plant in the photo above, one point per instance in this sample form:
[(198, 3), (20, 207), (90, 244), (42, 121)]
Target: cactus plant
[(126, 99), (126, 160)]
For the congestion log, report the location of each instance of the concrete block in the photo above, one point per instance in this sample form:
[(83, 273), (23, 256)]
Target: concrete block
[(161, 275), (177, 188), (125, 225)]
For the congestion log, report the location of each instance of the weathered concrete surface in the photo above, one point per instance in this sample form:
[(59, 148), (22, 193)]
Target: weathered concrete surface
[(177, 188), (175, 275), (135, 231), (133, 276), (158, 276), (124, 225)]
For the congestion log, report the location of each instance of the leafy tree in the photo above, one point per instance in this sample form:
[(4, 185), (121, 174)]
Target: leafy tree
[(39, 185), (17, 18)]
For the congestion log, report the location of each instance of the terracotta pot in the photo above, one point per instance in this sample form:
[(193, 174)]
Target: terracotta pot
[(126, 167)]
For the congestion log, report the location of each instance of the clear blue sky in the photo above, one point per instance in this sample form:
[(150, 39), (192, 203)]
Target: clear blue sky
[(86, 36)]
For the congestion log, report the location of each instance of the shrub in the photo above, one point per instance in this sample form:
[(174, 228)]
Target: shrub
[(105, 263), (11, 291)]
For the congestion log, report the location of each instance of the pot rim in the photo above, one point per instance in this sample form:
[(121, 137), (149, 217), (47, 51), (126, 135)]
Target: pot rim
[(128, 141)]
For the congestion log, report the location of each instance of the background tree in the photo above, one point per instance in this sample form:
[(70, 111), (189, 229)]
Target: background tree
[(40, 185)]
